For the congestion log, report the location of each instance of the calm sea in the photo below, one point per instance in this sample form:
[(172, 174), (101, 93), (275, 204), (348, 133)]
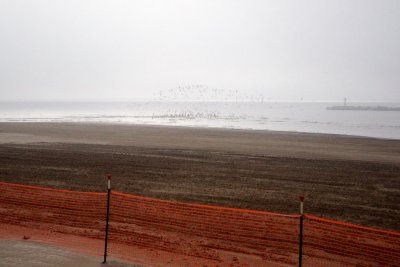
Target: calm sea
[(300, 117)]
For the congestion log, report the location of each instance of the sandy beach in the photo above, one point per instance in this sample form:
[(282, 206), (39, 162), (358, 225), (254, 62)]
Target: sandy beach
[(353, 179)]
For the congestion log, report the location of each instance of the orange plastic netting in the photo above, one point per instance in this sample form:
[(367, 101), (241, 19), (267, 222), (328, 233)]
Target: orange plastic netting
[(74, 219), (180, 233), (348, 244), (166, 233)]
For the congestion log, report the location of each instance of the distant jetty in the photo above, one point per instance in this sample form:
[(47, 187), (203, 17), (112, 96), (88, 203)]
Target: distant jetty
[(371, 108), (367, 108)]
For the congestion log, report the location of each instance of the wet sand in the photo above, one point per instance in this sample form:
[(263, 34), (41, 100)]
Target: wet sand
[(345, 178)]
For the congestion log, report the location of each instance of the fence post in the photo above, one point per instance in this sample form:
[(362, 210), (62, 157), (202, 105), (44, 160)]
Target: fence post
[(108, 216), (301, 230)]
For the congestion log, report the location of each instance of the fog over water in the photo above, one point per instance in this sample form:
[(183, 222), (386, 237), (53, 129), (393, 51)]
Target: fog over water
[(289, 116), (254, 64), (129, 50)]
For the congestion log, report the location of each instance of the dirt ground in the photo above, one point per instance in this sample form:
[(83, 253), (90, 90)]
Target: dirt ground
[(15, 253), (344, 178)]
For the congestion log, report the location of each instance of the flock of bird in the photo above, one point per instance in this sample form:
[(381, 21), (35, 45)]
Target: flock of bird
[(200, 92)]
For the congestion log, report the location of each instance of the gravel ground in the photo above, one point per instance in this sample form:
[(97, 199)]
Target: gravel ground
[(27, 253)]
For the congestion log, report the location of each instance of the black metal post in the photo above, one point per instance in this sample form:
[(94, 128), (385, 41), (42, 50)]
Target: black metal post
[(301, 231), (108, 217)]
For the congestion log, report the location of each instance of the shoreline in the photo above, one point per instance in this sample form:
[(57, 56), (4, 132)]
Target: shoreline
[(199, 128)]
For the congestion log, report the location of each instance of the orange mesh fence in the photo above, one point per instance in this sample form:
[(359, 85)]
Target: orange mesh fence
[(181, 234), (166, 233), (344, 244), (74, 219)]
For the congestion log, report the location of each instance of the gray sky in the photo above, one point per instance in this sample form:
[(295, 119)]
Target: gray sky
[(283, 50)]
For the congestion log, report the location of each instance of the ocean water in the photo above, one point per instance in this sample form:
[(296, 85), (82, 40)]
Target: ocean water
[(280, 116)]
